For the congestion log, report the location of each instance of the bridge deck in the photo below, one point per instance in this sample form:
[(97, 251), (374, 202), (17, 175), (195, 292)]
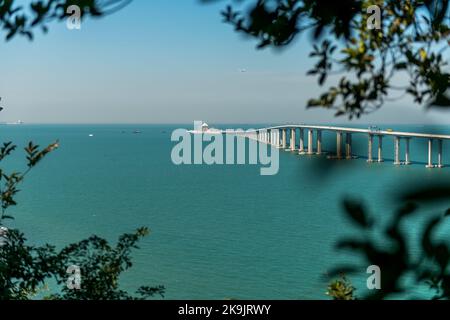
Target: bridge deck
[(366, 131)]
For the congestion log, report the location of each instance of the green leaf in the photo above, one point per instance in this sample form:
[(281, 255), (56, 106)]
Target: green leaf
[(356, 212)]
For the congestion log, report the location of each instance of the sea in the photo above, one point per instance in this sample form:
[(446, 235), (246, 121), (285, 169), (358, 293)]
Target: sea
[(217, 231)]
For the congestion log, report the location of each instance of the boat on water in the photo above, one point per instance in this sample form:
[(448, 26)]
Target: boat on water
[(14, 123)]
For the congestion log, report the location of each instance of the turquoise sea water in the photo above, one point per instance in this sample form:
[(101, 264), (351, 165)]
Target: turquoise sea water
[(217, 231)]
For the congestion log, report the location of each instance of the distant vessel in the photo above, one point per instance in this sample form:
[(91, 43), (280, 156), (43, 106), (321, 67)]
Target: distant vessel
[(205, 129), (18, 122)]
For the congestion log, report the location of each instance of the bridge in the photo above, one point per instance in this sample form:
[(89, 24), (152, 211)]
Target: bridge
[(277, 136)]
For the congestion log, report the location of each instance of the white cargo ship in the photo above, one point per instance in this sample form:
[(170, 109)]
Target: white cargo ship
[(203, 128)]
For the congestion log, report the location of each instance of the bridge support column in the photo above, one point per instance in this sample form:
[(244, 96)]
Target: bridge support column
[(430, 154), (283, 143), (407, 160), (440, 163), (292, 139), (288, 131), (319, 142), (310, 142), (339, 145), (397, 150), (348, 145), (380, 149), (301, 147), (276, 138), (370, 147), (279, 142)]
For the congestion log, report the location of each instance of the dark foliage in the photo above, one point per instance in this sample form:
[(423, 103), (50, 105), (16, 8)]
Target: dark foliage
[(17, 20), (394, 254)]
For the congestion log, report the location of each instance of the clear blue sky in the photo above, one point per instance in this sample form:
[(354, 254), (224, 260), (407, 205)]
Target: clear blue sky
[(162, 61)]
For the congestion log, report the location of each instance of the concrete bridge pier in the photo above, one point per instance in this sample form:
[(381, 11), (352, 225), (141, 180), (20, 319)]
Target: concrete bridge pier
[(380, 149), (278, 136), (301, 148), (397, 151), (407, 159), (430, 154), (370, 147), (338, 144), (288, 131), (310, 142), (348, 146), (440, 163), (292, 139), (275, 142), (319, 142), (283, 138)]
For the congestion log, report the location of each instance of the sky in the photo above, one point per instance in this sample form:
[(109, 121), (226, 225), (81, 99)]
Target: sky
[(165, 61)]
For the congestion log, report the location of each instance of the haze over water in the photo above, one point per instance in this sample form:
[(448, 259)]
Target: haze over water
[(217, 231)]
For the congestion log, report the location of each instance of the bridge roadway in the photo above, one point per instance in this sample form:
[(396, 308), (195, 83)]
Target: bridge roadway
[(272, 136)]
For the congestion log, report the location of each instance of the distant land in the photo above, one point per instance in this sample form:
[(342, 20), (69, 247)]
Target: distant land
[(12, 123)]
